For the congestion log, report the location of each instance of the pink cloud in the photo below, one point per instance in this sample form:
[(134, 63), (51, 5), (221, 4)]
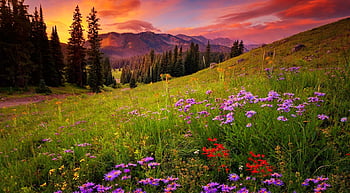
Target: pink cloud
[(134, 26)]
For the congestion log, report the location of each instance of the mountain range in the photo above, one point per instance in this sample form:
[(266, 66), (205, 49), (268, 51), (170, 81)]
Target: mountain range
[(123, 45)]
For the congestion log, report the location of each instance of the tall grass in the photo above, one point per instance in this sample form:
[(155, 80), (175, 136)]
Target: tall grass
[(62, 144)]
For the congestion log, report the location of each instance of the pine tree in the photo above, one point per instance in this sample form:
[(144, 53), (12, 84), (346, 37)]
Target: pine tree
[(241, 47), (76, 64), (207, 56), (44, 66), (191, 64), (107, 72), (94, 53), (57, 55), (19, 48), (5, 42)]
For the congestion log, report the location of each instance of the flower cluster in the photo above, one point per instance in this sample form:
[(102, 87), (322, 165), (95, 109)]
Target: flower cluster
[(287, 104), (219, 151), (258, 166), (123, 171), (238, 185), (320, 183)]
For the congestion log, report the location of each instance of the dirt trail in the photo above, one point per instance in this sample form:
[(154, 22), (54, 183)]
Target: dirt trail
[(11, 102)]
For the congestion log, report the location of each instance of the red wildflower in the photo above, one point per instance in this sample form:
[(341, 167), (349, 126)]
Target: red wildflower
[(210, 139)]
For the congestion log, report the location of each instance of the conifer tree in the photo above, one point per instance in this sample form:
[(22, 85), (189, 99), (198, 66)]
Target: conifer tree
[(20, 47), (94, 53), (76, 63), (57, 55), (207, 56), (107, 72), (44, 66)]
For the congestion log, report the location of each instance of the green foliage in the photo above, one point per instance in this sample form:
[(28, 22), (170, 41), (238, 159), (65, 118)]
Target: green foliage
[(42, 88)]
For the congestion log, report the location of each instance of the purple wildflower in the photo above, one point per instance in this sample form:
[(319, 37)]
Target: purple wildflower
[(282, 118), (249, 114), (243, 190), (319, 94), (233, 177), (249, 125), (263, 190), (208, 92), (110, 176), (68, 151), (344, 119), (322, 117)]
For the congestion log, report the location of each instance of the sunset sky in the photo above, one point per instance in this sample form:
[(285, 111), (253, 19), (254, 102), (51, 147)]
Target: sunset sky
[(254, 21)]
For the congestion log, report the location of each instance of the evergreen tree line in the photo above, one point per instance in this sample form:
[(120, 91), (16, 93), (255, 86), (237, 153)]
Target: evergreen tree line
[(26, 54), (28, 57), (176, 62), (237, 48)]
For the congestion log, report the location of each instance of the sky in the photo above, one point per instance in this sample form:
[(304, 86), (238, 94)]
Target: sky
[(253, 21)]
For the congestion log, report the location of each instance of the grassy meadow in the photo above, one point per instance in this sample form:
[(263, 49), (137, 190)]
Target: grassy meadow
[(277, 121)]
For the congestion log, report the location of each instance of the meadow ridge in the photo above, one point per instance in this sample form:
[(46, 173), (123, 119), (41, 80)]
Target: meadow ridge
[(270, 120)]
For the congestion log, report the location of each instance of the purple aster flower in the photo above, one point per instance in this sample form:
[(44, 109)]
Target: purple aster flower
[(249, 125), (282, 118), (233, 177), (243, 190), (118, 190), (322, 117), (139, 190), (344, 119), (208, 92), (110, 176), (68, 151), (122, 165), (226, 188), (101, 188), (263, 190), (319, 94), (153, 164), (126, 177), (249, 114), (126, 170), (276, 175)]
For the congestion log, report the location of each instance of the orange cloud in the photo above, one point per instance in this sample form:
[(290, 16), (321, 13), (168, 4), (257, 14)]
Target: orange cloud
[(113, 8)]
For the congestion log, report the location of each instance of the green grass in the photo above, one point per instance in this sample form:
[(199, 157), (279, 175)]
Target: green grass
[(124, 126)]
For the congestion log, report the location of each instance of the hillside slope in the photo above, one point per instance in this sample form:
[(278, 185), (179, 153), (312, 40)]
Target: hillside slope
[(325, 46)]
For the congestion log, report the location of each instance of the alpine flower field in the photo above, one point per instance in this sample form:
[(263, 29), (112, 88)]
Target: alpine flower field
[(280, 130)]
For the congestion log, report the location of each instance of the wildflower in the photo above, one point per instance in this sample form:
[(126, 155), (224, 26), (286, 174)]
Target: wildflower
[(212, 139), (319, 94), (118, 190), (243, 190), (263, 190), (68, 151), (153, 164), (126, 177), (344, 119), (233, 177), (110, 176), (276, 175), (322, 116), (208, 92), (145, 160), (249, 125), (139, 190), (226, 188), (282, 118), (249, 114)]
